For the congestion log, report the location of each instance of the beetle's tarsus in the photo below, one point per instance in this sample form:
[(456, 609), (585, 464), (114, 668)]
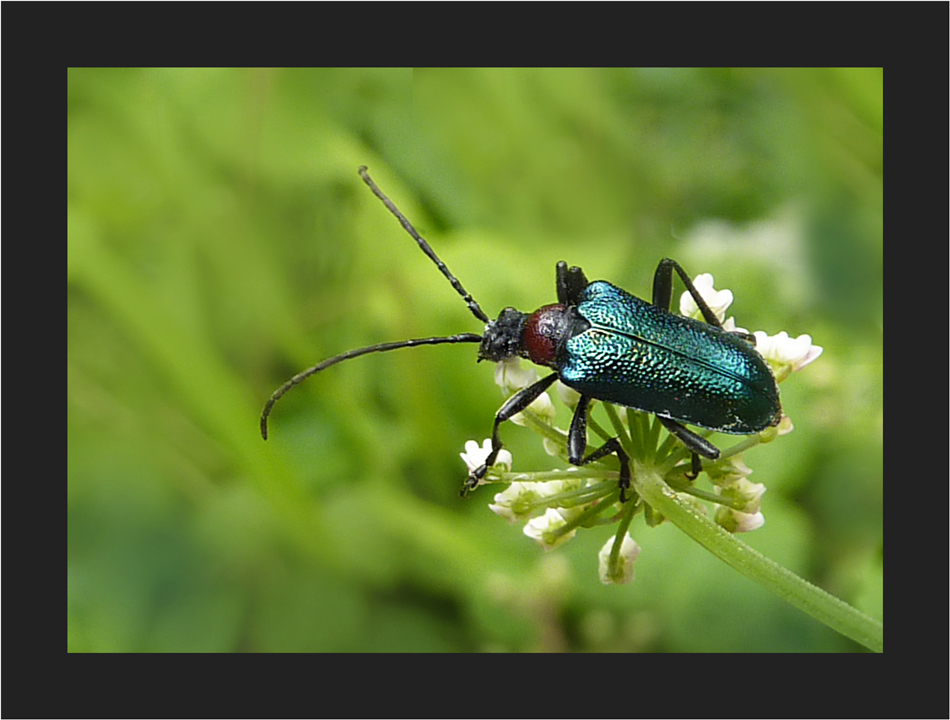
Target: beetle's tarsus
[(473, 479)]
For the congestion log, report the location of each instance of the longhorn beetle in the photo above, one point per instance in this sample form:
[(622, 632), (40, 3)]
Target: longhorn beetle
[(609, 345)]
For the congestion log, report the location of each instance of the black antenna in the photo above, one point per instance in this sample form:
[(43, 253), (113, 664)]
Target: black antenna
[(472, 305), (385, 347), (382, 347)]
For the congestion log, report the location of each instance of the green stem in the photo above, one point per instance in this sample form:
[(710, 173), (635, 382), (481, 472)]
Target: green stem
[(595, 426), (747, 444), (545, 428), (619, 427), (581, 520), (622, 528), (825, 608), (546, 475), (696, 492)]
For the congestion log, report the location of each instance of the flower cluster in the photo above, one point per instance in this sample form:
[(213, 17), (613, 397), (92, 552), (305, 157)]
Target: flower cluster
[(555, 504)]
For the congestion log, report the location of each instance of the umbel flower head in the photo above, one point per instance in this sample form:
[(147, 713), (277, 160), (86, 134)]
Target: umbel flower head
[(555, 504)]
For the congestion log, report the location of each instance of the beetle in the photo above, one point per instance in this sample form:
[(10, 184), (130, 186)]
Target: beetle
[(611, 346)]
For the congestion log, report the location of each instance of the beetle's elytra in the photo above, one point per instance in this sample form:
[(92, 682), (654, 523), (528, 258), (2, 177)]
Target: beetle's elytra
[(609, 345)]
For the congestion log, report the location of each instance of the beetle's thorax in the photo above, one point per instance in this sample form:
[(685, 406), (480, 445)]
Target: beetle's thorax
[(545, 332), (539, 337)]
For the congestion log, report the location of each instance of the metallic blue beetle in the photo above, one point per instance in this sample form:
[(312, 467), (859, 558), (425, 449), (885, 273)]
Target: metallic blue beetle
[(609, 345)]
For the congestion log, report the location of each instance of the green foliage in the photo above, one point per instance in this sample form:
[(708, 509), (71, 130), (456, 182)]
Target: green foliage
[(220, 240)]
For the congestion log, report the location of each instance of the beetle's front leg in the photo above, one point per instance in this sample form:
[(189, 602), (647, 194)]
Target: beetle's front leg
[(577, 444), (514, 405)]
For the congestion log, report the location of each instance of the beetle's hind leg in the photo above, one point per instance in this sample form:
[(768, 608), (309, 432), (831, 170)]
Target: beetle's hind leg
[(577, 444), (663, 295), (748, 337), (696, 444), (663, 289)]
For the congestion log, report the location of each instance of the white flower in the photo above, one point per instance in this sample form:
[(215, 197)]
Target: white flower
[(717, 300), (786, 355), (542, 407), (623, 572), (746, 495), (736, 522), (569, 396), (547, 530), (552, 448), (728, 471), (511, 377), (475, 456), (514, 503), (783, 428), (785, 425), (520, 501), (729, 325)]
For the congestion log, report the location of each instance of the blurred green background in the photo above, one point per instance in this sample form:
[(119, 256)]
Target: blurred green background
[(220, 240)]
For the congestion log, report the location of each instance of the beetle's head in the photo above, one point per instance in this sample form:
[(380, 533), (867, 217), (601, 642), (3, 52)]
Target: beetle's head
[(502, 338)]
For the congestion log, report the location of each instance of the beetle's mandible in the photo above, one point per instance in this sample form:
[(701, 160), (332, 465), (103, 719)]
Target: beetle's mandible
[(611, 346)]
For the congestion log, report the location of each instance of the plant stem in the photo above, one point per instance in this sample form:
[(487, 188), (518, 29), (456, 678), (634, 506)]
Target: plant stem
[(825, 608)]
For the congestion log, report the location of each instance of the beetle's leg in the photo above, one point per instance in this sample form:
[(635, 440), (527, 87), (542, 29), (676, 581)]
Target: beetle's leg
[(696, 444), (514, 405), (663, 289), (663, 295), (577, 444), (570, 284)]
